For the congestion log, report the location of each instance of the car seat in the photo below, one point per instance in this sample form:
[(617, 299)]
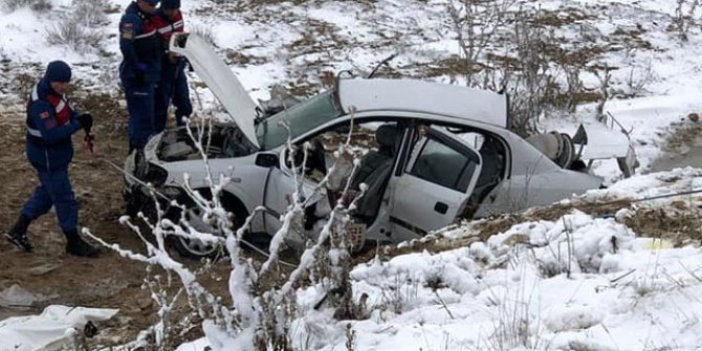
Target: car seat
[(376, 167)]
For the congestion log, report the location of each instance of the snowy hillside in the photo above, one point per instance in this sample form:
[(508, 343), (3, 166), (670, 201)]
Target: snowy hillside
[(597, 272)]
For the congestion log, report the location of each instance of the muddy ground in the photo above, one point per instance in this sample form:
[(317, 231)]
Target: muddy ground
[(106, 282)]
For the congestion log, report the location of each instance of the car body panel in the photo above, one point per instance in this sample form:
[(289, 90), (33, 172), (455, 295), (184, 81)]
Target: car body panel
[(220, 80), (420, 96), (540, 189), (246, 179), (281, 186)]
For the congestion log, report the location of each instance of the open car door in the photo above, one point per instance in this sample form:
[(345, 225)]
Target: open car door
[(434, 186)]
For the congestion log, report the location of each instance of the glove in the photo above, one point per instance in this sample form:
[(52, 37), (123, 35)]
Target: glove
[(86, 121), (173, 58)]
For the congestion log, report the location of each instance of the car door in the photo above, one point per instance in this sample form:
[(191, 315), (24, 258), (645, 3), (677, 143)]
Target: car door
[(434, 186)]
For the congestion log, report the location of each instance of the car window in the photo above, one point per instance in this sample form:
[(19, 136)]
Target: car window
[(442, 165), (300, 118)]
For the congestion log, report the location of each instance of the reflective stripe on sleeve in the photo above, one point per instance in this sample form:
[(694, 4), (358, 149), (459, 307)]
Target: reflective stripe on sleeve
[(145, 35), (34, 132)]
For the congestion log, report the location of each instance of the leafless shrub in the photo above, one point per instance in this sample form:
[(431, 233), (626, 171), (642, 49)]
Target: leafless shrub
[(476, 23), (638, 79), (35, 5), (81, 29), (574, 86), (91, 12), (71, 33), (533, 84), (529, 68), (684, 17), (400, 294), (604, 75)]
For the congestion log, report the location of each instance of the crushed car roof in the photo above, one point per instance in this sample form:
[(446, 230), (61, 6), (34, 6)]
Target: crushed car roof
[(419, 96)]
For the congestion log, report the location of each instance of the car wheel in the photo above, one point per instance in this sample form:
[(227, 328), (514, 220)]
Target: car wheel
[(198, 249)]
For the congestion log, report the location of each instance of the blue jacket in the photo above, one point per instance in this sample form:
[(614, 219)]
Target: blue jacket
[(140, 44), (49, 145)]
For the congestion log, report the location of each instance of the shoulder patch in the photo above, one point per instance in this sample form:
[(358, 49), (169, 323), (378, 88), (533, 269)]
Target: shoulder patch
[(126, 30), (44, 115), (128, 33)]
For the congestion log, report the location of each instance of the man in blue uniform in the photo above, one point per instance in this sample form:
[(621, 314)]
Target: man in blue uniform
[(140, 69), (173, 86), (50, 123)]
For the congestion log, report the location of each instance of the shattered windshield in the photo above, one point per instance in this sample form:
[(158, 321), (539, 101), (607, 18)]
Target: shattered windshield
[(300, 118)]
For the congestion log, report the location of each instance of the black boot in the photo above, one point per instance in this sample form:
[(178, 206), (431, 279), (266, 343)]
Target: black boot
[(17, 235), (76, 246)]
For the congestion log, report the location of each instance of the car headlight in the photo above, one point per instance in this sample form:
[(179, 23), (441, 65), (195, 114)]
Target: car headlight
[(155, 175)]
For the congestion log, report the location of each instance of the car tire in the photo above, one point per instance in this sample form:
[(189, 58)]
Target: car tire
[(196, 249)]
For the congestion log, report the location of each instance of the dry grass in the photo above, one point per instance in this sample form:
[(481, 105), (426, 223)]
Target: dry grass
[(632, 38), (35, 5), (680, 224), (433, 244), (685, 134), (241, 59), (502, 223), (562, 17)]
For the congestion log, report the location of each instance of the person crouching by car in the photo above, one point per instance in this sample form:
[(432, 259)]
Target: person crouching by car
[(50, 123)]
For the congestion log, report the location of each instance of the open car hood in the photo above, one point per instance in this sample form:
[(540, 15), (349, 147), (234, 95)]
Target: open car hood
[(220, 79)]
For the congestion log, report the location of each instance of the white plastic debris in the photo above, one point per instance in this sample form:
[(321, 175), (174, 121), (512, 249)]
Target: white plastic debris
[(47, 331)]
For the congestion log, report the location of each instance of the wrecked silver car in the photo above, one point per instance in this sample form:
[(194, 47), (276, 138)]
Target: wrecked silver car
[(434, 154)]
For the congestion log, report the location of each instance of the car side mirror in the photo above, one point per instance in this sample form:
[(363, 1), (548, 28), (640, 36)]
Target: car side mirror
[(266, 160)]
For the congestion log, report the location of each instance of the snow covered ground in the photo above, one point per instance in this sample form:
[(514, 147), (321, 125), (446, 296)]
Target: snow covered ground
[(577, 282), (623, 292), (574, 283)]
